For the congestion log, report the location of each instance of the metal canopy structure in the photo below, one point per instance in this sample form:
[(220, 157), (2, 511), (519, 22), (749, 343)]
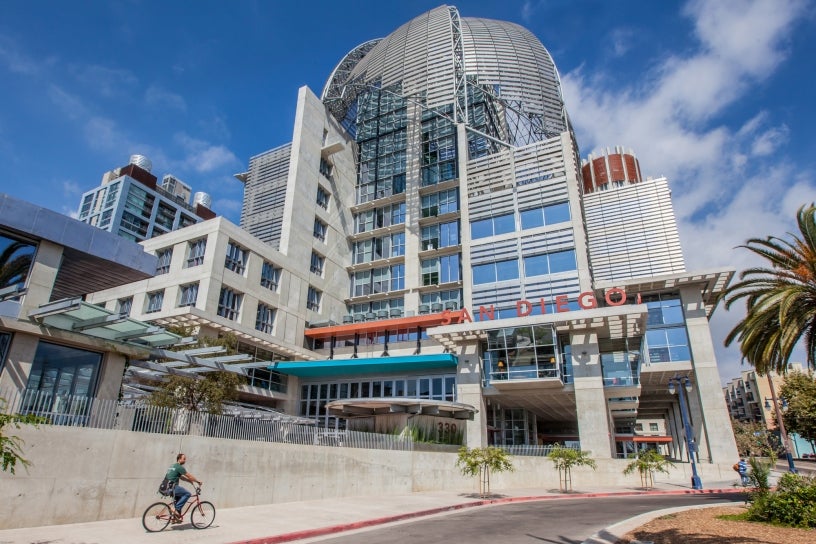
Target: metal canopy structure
[(74, 315), (353, 408)]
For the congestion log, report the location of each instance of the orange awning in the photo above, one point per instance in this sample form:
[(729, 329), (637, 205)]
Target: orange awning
[(658, 439), (425, 321)]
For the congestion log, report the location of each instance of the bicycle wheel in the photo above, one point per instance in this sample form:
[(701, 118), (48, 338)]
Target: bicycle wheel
[(156, 517), (202, 515)]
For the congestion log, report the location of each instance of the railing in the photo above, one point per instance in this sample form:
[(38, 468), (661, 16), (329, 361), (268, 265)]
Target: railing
[(533, 449), (138, 416)]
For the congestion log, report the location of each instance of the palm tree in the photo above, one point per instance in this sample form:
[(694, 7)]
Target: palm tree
[(780, 300), (14, 268)]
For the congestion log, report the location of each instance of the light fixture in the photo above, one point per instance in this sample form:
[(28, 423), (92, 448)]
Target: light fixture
[(672, 389)]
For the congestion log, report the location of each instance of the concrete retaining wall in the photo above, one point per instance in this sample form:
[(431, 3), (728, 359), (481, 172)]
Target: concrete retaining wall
[(79, 475)]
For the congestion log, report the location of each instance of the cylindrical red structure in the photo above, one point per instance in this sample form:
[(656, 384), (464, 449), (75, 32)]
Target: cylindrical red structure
[(616, 167)]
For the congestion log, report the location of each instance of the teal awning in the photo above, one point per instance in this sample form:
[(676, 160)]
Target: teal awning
[(336, 367)]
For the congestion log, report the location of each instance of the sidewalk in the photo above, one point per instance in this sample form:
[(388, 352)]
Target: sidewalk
[(288, 522)]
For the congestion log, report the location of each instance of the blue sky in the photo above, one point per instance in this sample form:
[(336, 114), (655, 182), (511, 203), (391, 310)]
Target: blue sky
[(717, 96)]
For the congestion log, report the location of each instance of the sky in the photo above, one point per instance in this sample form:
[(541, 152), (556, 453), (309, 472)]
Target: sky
[(718, 96)]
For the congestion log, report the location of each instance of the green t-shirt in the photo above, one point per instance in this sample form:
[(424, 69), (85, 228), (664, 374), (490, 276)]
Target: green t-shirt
[(175, 472)]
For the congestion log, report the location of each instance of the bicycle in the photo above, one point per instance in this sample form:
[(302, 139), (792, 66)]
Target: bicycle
[(159, 514)]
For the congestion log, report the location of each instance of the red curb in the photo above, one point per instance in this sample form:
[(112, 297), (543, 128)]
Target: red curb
[(310, 533)]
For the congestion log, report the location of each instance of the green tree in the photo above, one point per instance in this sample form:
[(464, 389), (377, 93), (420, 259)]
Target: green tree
[(799, 390), (207, 393), (564, 459), (11, 446), (646, 463), (480, 462), (780, 299), (755, 440)]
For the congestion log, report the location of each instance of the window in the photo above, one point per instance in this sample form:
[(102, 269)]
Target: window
[(653, 427), (320, 229), (440, 270), (322, 198), (265, 318), (325, 168), (397, 277), (19, 257), (154, 301), (236, 259), (550, 263), (667, 345), (492, 226), (164, 257), (5, 342), (439, 203), (61, 380), (188, 294), (317, 264), (270, 276), (313, 297), (124, 305), (547, 215), (639, 427), (195, 253), (229, 303), (497, 271), (441, 235)]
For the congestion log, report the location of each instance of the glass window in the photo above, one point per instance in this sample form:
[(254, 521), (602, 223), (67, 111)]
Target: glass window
[(531, 219), (317, 264), (313, 297), (320, 229), (322, 198), (124, 305), (265, 318), (16, 257), (229, 303), (164, 256), (5, 342), (270, 276), (507, 270), (188, 294), (653, 427), (503, 224), (498, 271), (397, 244), (562, 261), (61, 380), (236, 258), (195, 252), (397, 277), (154, 301), (556, 213)]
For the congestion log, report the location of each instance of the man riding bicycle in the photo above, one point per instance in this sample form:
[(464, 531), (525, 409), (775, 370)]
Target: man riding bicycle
[(180, 494)]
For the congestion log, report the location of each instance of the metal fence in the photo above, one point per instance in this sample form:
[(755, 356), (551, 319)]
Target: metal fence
[(138, 416), (534, 450)]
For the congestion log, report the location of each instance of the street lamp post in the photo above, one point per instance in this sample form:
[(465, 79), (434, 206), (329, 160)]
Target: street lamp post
[(783, 434), (683, 386)]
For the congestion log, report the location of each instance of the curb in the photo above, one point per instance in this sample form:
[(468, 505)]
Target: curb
[(332, 529)]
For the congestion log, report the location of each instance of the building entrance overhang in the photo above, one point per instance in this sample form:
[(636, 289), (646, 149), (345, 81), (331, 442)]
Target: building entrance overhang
[(353, 408), (344, 367)]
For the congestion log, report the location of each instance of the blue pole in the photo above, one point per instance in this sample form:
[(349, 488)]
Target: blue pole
[(696, 483)]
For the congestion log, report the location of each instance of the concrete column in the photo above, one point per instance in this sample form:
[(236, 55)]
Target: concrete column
[(41, 277), (18, 362), (469, 391), (712, 424), (594, 428)]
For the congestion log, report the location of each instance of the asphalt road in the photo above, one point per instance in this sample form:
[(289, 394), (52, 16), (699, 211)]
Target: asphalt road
[(567, 521)]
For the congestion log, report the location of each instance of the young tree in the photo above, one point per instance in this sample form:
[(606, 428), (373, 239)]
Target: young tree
[(780, 299), (799, 391), (755, 440), (11, 446), (207, 393), (480, 462), (646, 463), (564, 459)]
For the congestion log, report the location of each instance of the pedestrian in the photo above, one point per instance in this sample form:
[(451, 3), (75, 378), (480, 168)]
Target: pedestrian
[(180, 494), (742, 468)]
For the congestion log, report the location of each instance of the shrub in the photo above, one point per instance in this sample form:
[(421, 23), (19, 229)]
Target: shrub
[(793, 503), (480, 461), (564, 459), (646, 463)]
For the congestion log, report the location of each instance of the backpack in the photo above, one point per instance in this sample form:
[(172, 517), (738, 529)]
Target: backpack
[(167, 487)]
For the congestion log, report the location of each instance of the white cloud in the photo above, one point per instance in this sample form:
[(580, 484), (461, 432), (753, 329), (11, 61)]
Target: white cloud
[(70, 105), (103, 80), (20, 63), (158, 97), (204, 157), (728, 183)]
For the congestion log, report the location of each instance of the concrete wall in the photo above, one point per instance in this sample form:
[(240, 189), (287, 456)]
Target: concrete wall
[(81, 475)]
